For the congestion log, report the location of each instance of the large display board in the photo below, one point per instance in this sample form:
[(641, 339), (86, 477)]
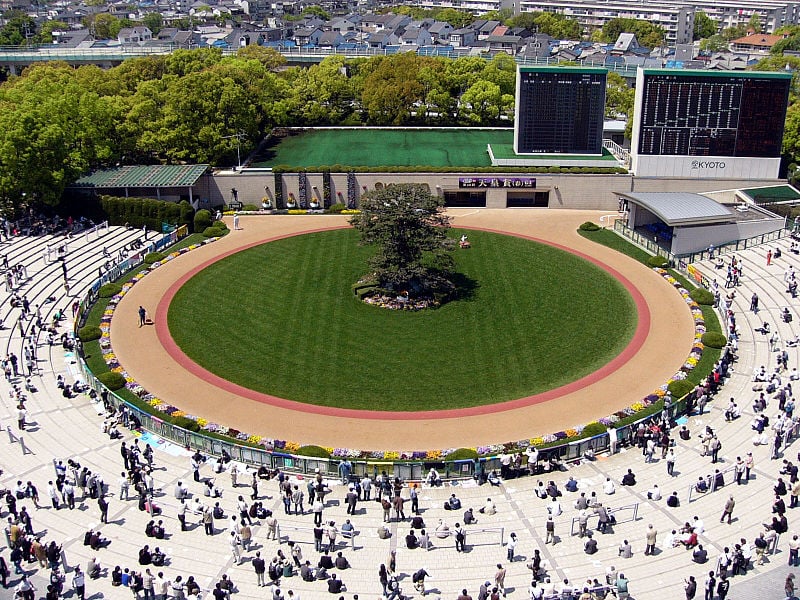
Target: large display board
[(559, 110), (708, 114)]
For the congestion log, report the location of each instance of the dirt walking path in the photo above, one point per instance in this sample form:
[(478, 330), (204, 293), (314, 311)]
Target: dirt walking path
[(150, 356)]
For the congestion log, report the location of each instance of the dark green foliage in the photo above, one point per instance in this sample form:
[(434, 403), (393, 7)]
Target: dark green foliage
[(713, 339), (186, 214), (112, 380), (89, 333), (589, 226), (593, 429), (337, 208), (251, 207), (657, 261), (202, 219), (702, 296), (154, 257), (680, 388), (462, 454), (110, 289), (314, 451), (408, 227), (185, 423), (138, 212), (210, 232)]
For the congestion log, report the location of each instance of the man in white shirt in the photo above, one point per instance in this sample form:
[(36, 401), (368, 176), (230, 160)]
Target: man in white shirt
[(654, 493), (554, 508), (608, 487)]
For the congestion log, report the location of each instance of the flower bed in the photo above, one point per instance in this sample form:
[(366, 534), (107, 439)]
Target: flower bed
[(167, 411)]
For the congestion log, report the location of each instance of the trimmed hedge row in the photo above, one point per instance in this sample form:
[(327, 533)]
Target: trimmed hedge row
[(428, 169), (138, 212), (110, 289)]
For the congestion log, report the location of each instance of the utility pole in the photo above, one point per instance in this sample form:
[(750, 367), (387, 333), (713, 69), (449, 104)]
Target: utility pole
[(238, 137)]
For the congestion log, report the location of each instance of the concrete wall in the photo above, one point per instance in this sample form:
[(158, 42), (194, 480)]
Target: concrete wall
[(598, 192)]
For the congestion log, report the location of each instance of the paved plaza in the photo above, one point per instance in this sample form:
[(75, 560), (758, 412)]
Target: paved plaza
[(62, 429)]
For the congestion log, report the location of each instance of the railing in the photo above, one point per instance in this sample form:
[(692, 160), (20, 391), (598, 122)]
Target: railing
[(622, 154), (737, 245), (711, 481), (633, 508), (96, 230), (640, 240), (346, 536), (443, 535)]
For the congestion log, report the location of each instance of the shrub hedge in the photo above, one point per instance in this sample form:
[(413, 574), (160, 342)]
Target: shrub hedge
[(202, 220), (89, 333), (462, 454), (589, 226), (714, 339), (658, 261), (186, 423), (109, 289), (137, 212), (153, 257), (680, 388), (210, 232), (313, 451), (702, 296), (278, 169), (337, 208), (112, 380)]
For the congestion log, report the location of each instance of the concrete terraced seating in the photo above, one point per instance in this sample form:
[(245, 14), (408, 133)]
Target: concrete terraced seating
[(70, 428)]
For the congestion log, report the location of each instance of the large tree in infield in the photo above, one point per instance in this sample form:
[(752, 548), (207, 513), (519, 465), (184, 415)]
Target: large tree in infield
[(408, 226)]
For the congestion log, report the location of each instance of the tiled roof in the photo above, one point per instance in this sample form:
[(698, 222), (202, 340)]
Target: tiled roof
[(144, 176)]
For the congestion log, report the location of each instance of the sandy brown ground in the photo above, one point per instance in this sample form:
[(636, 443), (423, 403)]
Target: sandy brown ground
[(667, 345)]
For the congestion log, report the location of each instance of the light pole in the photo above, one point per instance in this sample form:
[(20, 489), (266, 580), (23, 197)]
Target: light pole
[(238, 137)]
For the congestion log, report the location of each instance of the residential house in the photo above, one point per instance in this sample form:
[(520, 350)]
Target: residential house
[(381, 39), (414, 36), (440, 32), (466, 36), (330, 39), (756, 43), (134, 35), (510, 44), (307, 36)]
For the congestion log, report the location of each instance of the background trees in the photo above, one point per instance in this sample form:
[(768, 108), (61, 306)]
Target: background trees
[(648, 34)]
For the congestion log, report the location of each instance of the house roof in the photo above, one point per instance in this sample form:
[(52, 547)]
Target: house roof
[(758, 40), (152, 176), (681, 208)]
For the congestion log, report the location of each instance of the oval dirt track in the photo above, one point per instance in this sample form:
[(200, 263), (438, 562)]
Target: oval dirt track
[(659, 348)]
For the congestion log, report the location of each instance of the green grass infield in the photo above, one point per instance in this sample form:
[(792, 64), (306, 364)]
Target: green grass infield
[(403, 147), (281, 319)]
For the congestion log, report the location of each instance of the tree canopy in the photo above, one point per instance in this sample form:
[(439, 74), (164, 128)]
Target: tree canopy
[(408, 227), (648, 34), (704, 26)]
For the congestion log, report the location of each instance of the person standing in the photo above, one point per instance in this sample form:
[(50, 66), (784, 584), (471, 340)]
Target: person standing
[(511, 546), (711, 584), (650, 536), (690, 588), (142, 315), (500, 580), (102, 504), (723, 585), (671, 463), (79, 584), (260, 568), (550, 527), (728, 510)]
